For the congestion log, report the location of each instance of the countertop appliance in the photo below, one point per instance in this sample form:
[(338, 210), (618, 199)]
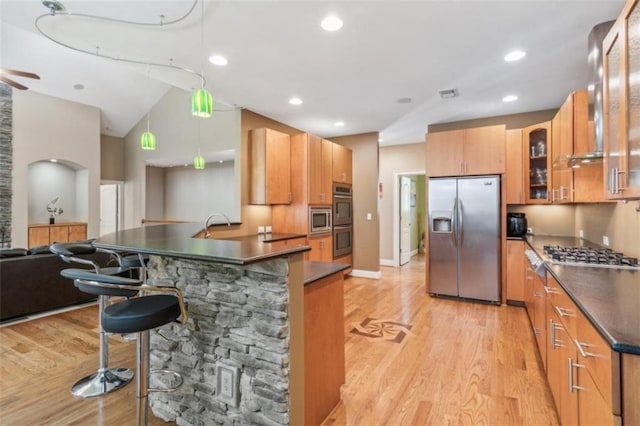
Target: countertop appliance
[(516, 225), (464, 237), (587, 256), (319, 220)]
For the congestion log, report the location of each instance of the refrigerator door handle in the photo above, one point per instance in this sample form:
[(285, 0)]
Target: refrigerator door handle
[(460, 222), (454, 217)]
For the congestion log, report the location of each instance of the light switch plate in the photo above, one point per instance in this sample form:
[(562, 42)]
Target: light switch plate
[(581, 233), (228, 384), (260, 229), (605, 240)]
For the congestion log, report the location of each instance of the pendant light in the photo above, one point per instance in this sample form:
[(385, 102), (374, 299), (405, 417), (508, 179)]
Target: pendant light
[(198, 161), (201, 99), (148, 139)]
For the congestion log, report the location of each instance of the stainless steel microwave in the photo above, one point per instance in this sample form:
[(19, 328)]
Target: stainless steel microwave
[(319, 220)]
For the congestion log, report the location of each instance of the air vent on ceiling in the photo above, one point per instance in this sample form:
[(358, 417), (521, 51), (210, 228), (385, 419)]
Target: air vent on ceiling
[(448, 93)]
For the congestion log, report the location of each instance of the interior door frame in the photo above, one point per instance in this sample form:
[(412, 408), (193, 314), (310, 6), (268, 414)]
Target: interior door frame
[(396, 210), (119, 217)]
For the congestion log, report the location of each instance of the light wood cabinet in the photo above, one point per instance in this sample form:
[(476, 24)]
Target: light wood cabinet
[(270, 167), (320, 167), (473, 151), (324, 354), (561, 182), (515, 270), (583, 371), (537, 163), (622, 105), (514, 175), (321, 248), (342, 164), (46, 234)]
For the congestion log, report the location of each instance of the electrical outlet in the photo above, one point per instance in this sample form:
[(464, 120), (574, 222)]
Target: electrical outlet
[(530, 231), (260, 229), (268, 229), (581, 233), (605, 240), (369, 216), (227, 384)]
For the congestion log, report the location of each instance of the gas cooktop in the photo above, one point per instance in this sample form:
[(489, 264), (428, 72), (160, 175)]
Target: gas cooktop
[(585, 256)]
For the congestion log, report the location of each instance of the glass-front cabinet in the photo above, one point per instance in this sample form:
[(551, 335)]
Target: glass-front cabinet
[(622, 105), (537, 162)]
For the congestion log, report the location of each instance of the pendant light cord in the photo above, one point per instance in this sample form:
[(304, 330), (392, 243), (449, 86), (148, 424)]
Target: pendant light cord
[(97, 53)]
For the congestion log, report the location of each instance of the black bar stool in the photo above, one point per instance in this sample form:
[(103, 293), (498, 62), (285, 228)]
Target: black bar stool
[(105, 379), (136, 315)]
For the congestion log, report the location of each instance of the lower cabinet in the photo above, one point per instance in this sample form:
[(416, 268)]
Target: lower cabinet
[(46, 234), (535, 302), (515, 271), (324, 356), (321, 248), (582, 370)]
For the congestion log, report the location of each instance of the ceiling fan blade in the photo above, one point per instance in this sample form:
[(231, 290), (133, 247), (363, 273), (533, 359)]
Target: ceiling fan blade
[(19, 73), (12, 83)]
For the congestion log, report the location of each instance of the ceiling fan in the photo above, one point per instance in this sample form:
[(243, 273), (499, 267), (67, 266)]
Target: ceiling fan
[(3, 77)]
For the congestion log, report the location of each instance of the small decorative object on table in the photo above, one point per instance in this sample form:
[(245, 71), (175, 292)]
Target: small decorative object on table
[(53, 211)]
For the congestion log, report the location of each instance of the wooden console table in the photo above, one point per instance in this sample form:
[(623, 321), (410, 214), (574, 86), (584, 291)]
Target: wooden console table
[(44, 234)]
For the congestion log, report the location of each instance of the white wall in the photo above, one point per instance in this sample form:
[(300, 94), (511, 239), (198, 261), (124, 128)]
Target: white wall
[(47, 181), (43, 128), (178, 135)]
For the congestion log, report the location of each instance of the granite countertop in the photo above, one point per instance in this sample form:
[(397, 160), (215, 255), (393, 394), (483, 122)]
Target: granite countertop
[(610, 298), (314, 271), (176, 240)]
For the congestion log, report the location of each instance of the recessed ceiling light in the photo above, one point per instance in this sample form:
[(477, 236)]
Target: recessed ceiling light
[(331, 23), (515, 55), (53, 160), (510, 98), (339, 123), (78, 86), (380, 140), (218, 60), (295, 101)]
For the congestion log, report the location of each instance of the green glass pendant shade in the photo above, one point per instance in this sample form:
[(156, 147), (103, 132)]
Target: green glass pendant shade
[(198, 162), (201, 103), (148, 141)]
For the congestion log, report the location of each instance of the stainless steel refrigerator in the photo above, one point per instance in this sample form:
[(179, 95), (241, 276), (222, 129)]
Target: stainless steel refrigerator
[(464, 237)]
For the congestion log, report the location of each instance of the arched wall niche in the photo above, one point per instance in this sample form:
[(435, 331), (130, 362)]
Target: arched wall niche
[(64, 180)]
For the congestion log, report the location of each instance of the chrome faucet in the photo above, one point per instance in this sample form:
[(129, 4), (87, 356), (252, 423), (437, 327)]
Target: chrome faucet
[(206, 223)]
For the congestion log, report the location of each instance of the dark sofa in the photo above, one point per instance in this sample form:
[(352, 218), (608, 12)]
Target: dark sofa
[(30, 282)]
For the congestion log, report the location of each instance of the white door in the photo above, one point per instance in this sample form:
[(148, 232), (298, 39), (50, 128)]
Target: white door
[(405, 220), (108, 209)]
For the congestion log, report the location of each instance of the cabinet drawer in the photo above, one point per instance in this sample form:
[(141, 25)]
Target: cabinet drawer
[(563, 305), (597, 357)]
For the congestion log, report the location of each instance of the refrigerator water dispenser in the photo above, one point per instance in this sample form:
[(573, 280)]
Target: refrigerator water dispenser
[(442, 224)]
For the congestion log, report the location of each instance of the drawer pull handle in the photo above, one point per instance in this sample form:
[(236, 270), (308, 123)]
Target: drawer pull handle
[(553, 326), (573, 387), (550, 290), (562, 312), (583, 353)]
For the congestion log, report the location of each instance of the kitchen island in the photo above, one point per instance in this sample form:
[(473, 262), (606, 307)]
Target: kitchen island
[(242, 351)]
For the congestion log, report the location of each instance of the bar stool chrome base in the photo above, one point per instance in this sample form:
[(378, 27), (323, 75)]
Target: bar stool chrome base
[(102, 382)]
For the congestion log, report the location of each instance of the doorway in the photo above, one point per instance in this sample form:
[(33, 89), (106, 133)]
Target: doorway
[(110, 208), (409, 216)]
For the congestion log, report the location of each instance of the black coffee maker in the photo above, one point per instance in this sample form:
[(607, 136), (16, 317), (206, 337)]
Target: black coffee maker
[(516, 225)]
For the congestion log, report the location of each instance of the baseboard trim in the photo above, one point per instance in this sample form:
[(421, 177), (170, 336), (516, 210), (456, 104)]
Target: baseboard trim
[(376, 275), (387, 262)]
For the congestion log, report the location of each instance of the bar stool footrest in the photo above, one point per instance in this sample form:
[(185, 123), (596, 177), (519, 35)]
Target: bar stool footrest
[(177, 376)]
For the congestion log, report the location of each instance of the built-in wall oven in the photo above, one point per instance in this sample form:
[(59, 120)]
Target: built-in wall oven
[(342, 240), (342, 205), (342, 220)]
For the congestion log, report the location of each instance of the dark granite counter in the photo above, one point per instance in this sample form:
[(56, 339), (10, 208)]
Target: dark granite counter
[(314, 271), (610, 298), (175, 240)]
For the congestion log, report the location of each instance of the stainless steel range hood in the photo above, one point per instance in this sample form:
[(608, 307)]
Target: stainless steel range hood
[(595, 88)]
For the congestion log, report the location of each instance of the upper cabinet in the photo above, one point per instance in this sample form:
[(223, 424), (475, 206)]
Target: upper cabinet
[(320, 163), (561, 182), (514, 175), (475, 151), (622, 105), (342, 164), (270, 167), (537, 162)]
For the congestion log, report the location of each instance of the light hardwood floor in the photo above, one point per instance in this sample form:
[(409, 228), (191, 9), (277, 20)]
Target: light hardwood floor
[(436, 362)]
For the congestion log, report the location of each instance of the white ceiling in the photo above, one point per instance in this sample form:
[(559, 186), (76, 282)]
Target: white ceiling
[(386, 50)]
